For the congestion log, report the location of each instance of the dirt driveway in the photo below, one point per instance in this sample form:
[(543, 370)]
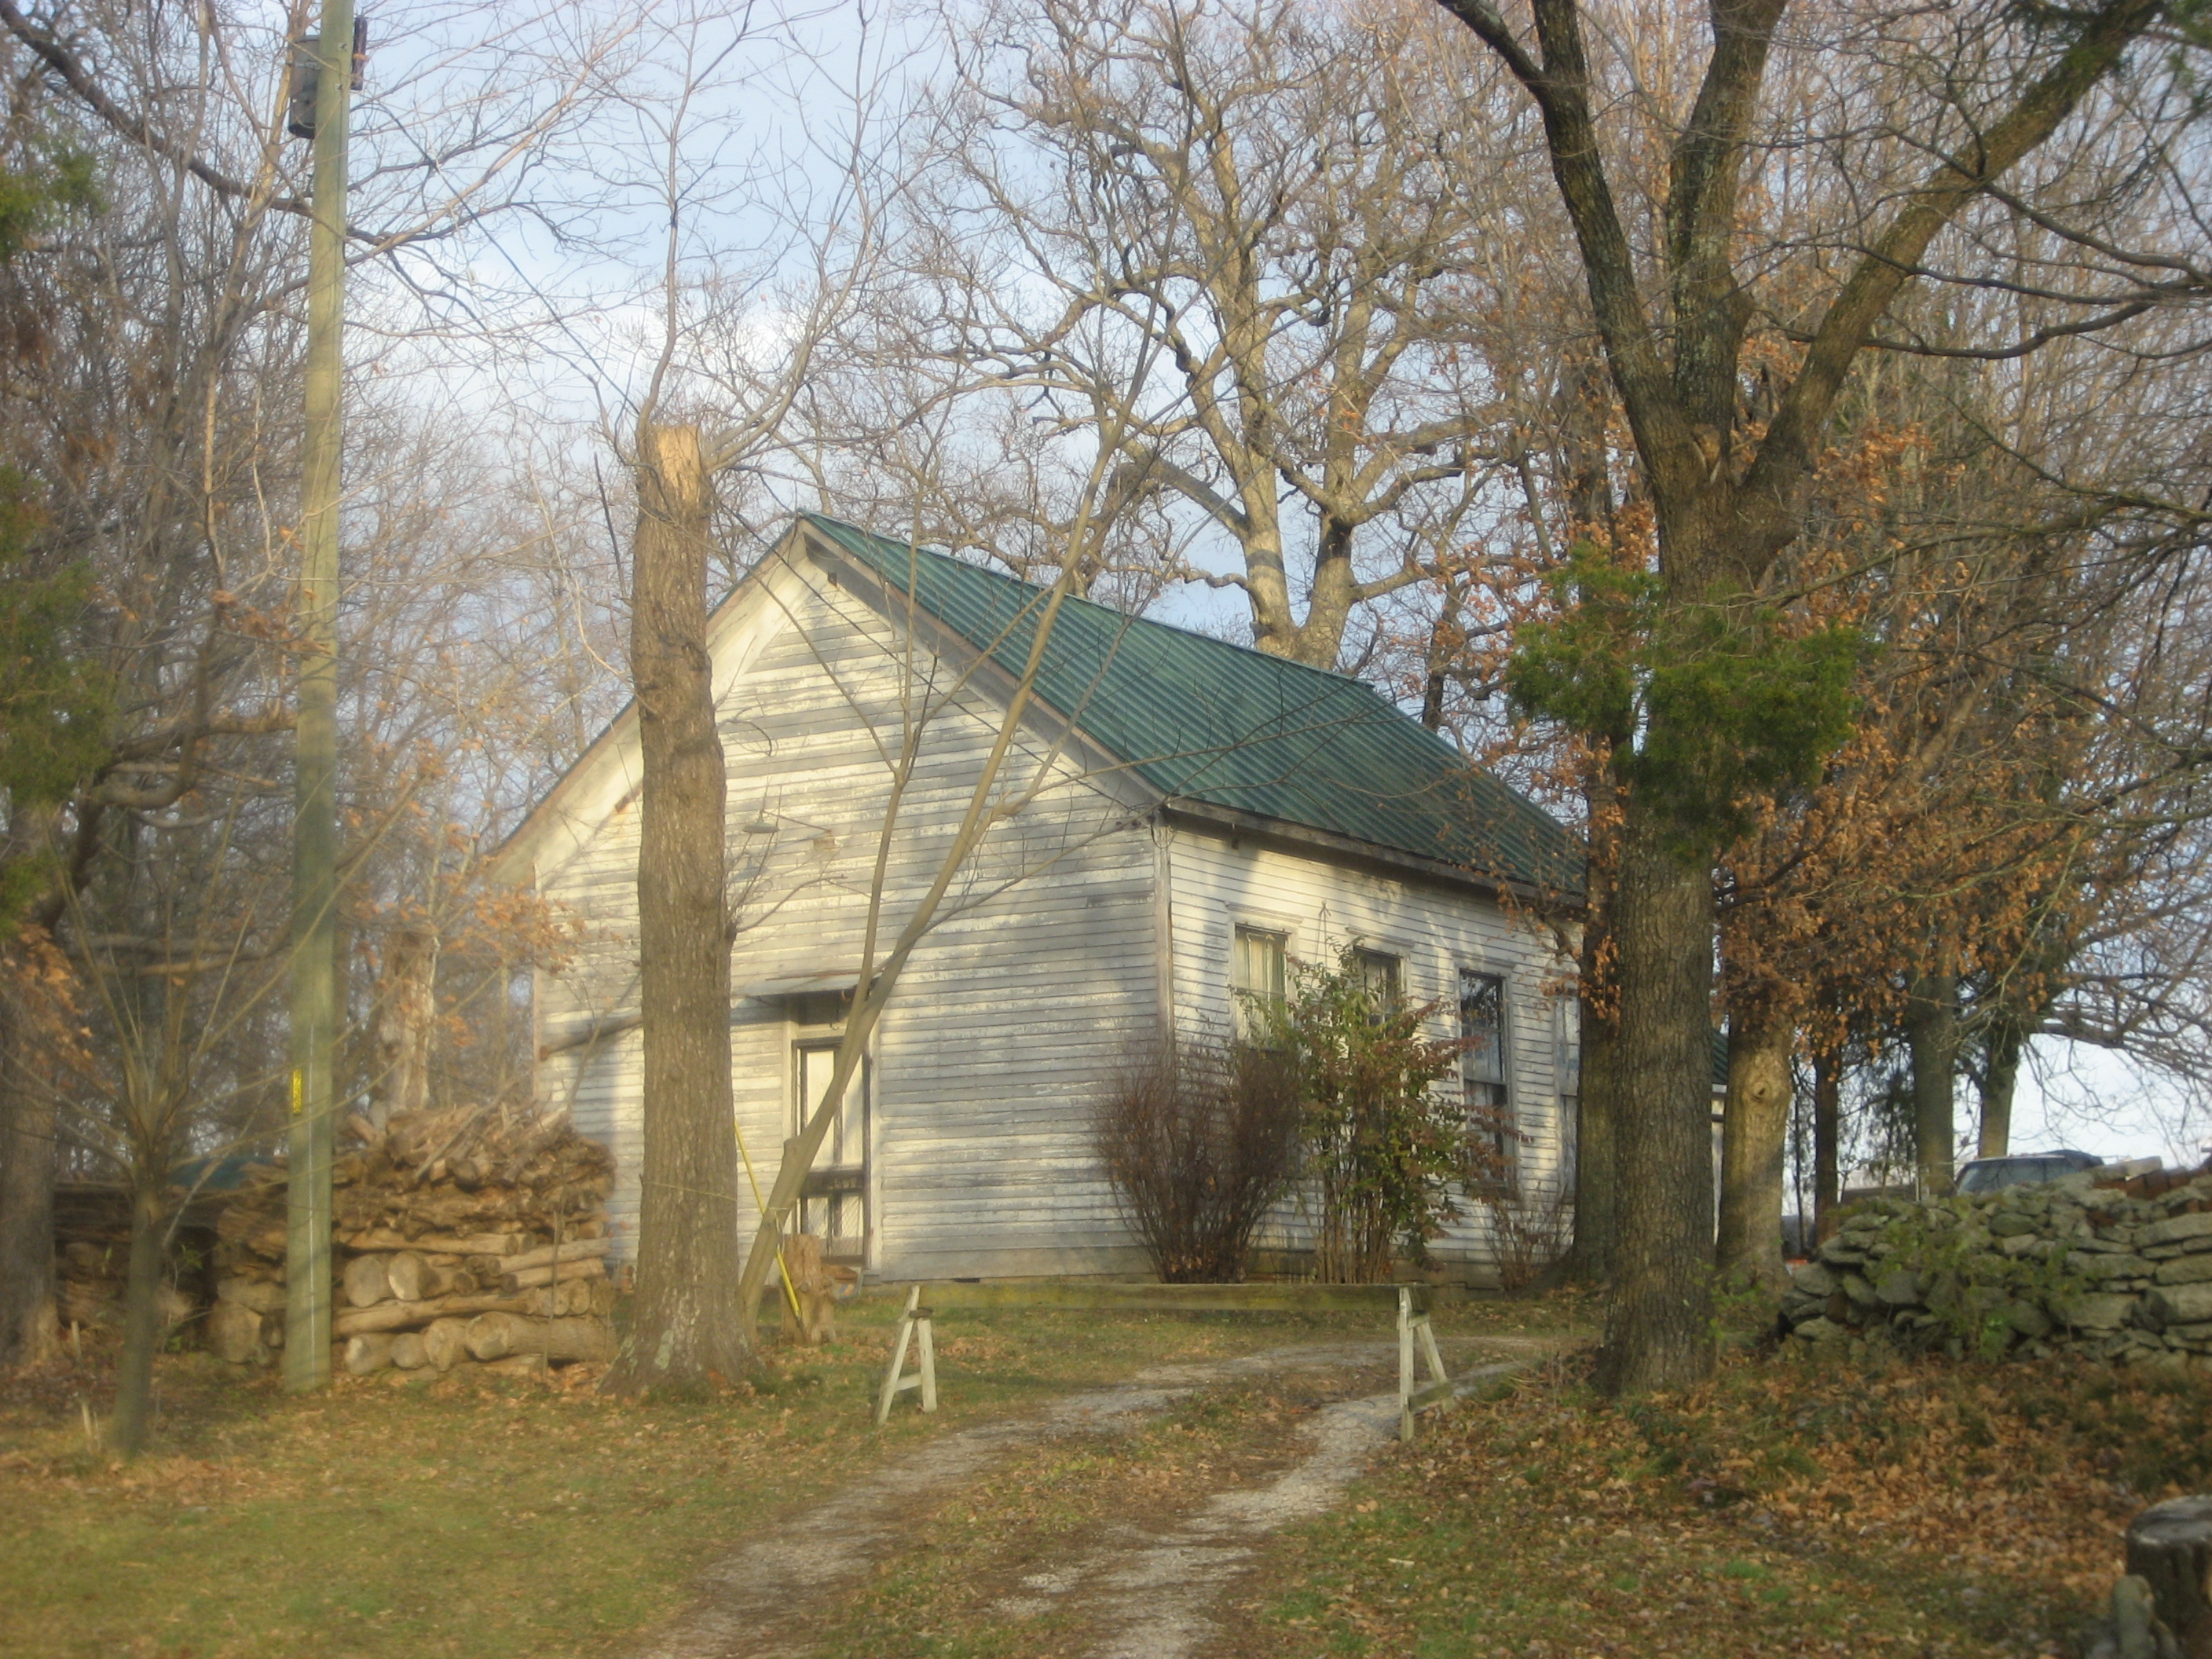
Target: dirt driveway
[(1137, 1573)]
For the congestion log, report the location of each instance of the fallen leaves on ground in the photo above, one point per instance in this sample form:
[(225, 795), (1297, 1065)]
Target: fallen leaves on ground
[(1793, 1505)]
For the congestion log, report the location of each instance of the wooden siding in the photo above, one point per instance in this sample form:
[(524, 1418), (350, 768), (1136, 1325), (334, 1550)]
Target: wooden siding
[(1218, 882), (1010, 1013)]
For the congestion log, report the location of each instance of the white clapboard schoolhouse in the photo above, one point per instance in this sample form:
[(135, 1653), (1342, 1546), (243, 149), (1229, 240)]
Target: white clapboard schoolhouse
[(1190, 815)]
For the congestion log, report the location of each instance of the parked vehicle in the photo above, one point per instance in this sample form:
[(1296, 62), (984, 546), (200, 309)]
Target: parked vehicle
[(1989, 1175)]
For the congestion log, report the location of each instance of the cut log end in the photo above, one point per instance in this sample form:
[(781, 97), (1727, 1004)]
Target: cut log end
[(2169, 1546)]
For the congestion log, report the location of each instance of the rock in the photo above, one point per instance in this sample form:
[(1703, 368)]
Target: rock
[(2174, 1230), (2181, 1304), (2030, 1321), (1837, 1254), (1821, 1330), (2137, 1631), (2184, 1269), (2010, 1224), (2090, 1311), (1857, 1287), (2196, 1335), (1898, 1287), (1814, 1279), (2092, 1266)]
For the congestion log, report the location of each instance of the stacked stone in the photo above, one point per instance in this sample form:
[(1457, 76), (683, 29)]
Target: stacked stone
[(2134, 1273)]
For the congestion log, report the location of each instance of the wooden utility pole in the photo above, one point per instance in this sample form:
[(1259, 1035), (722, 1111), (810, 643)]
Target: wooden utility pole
[(307, 1292)]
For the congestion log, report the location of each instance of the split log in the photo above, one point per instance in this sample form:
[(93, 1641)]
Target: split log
[(497, 1335), (262, 1296), (412, 1316), (2170, 1545), (444, 1343), (408, 1352), (386, 1238), (364, 1354), (233, 1333), (580, 1249), (366, 1282), (551, 1274), (517, 1365), (406, 1271)]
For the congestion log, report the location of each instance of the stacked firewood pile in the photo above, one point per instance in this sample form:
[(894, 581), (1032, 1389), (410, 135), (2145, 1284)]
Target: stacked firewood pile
[(459, 1238), (92, 1253)]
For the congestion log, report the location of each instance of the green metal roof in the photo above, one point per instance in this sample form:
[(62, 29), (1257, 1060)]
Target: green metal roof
[(1203, 721)]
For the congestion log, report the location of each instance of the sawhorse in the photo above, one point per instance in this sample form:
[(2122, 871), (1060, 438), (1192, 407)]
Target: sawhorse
[(913, 1324)]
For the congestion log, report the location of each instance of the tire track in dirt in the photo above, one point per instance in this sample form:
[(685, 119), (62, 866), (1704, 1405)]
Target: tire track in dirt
[(758, 1602), (1151, 1596)]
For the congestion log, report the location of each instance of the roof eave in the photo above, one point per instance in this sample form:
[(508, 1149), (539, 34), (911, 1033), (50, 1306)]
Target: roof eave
[(1349, 849)]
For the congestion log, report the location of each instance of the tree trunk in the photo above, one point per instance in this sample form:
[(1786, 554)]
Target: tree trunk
[(685, 1331), (406, 1016), (142, 1316), (1596, 1186), (1754, 1136), (1659, 1323), (1998, 1081), (1596, 1109), (1931, 1032), (29, 1335), (1827, 1140)]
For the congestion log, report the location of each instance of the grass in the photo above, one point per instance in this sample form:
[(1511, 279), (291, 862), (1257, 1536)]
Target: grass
[(400, 1515), (1932, 1508)]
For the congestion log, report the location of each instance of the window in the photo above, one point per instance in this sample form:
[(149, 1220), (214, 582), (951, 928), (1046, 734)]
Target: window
[(1257, 976), (834, 1202), (1482, 1074), (1379, 972)]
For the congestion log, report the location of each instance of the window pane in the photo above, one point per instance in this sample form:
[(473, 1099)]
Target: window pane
[(1482, 1071), (1378, 972), (1482, 1023), (1257, 975)]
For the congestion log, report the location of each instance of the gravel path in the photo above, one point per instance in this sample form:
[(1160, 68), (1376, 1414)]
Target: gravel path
[(1148, 1592)]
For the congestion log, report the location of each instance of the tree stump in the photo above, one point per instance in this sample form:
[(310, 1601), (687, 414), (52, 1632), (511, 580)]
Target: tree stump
[(2170, 1546), (817, 1316)]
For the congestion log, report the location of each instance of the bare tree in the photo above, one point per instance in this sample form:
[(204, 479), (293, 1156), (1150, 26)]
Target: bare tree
[(1725, 452)]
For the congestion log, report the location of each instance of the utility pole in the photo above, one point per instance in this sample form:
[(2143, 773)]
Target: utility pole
[(322, 72)]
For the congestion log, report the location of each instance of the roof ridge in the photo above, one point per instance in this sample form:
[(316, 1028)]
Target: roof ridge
[(1126, 616)]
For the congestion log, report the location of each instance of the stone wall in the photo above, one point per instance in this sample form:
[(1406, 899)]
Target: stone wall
[(2029, 1271)]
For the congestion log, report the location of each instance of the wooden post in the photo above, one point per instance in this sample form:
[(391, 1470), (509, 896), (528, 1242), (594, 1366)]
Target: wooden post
[(1413, 1328), (315, 992), (2170, 1546), (1405, 1364)]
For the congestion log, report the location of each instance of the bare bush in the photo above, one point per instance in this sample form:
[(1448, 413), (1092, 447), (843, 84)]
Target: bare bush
[(1200, 1138), (1529, 1230)]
